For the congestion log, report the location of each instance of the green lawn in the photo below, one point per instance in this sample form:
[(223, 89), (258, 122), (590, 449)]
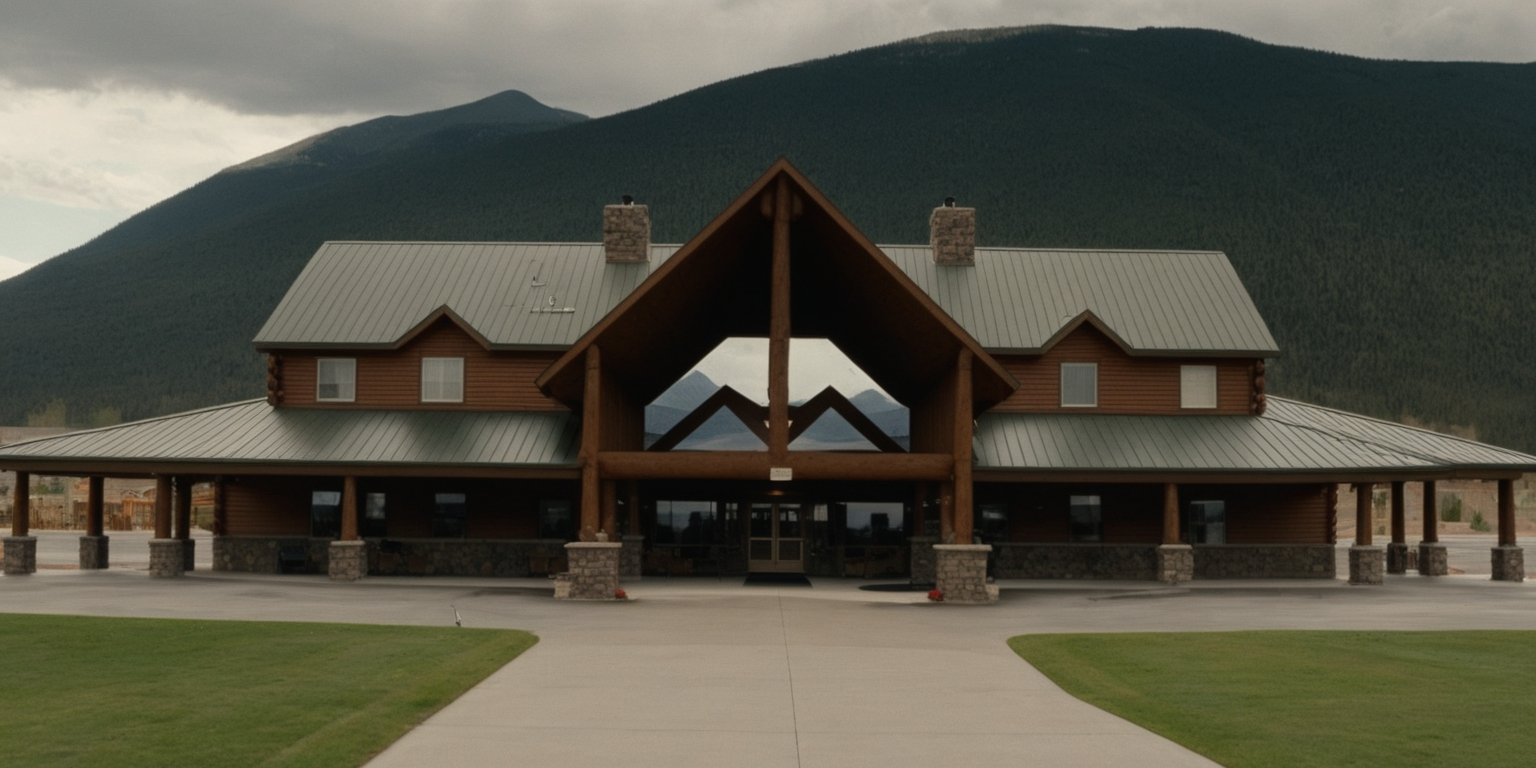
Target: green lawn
[(79, 691), (1312, 698)]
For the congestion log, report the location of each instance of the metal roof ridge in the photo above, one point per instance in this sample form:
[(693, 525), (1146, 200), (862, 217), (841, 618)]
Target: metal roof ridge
[(1034, 249), (140, 422), (1394, 424)]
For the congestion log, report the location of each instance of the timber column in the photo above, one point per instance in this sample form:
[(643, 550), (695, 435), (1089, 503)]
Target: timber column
[(349, 554), (184, 523), (1175, 559), (592, 570), (21, 546), (1432, 556), (164, 552), (93, 545), (1508, 558), (960, 569), (1365, 561), (1397, 549)]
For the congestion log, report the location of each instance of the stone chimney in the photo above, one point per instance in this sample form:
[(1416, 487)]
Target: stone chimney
[(627, 232), (952, 234)]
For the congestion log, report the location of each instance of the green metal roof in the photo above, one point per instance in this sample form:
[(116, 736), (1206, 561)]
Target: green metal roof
[(1291, 437), (253, 432), (546, 295)]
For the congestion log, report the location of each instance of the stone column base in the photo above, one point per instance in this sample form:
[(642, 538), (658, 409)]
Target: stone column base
[(93, 553), (1365, 565), (1508, 564), (630, 557), (20, 555), (924, 567), (960, 573), (165, 558), (1432, 559), (188, 555), (1175, 563), (1397, 558), (349, 560), (594, 571)]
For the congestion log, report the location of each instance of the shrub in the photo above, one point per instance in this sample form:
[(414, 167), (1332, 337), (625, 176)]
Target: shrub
[(1450, 508), (1478, 523)]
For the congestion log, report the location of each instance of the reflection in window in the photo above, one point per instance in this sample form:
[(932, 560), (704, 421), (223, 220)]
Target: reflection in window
[(556, 520), (373, 516), (1207, 522), (325, 514), (336, 380), (449, 511), (1079, 385), (875, 523), (686, 522), (1087, 518), (992, 523), (442, 379)]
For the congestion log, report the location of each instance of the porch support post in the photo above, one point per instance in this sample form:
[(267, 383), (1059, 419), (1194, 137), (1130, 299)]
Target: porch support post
[(591, 437), (21, 546), (947, 512), (93, 545), (184, 522), (1508, 558), (593, 566), (779, 326), (1175, 559), (164, 552), (1365, 561), (349, 554), (1397, 550), (965, 520), (1432, 557)]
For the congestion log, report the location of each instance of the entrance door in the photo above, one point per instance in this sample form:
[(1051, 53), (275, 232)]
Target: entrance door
[(776, 539)]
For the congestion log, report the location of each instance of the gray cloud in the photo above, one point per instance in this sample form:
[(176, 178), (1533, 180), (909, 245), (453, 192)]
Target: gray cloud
[(303, 57)]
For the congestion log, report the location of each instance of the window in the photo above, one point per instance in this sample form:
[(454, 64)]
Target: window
[(1087, 518), (556, 520), (685, 522), (1079, 385), (442, 379), (449, 511), (875, 523), (373, 517), (993, 523), (1197, 386), (325, 514), (1207, 522), (336, 380)]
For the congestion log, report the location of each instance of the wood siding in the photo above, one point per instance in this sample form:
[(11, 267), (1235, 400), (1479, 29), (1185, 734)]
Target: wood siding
[(1126, 384), (392, 378)]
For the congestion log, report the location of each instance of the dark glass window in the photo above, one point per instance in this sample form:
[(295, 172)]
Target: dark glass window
[(1087, 518), (449, 512), (1207, 522), (686, 522), (556, 520), (992, 523), (373, 526), (875, 523), (325, 514)]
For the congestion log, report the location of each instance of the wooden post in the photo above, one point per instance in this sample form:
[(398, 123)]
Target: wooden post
[(21, 507), (349, 508), (632, 507), (947, 514), (183, 507), (779, 327), (610, 509), (1399, 516), (162, 507), (964, 421), (220, 513), (94, 505), (1363, 514), (591, 441), (1506, 513), (1170, 513), (1431, 522)]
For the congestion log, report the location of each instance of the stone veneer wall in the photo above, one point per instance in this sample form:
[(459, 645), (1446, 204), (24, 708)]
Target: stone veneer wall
[(1508, 564), (259, 554), (1264, 561), (630, 557), (924, 566), (94, 552), (20, 555), (594, 573), (1076, 561), (421, 557)]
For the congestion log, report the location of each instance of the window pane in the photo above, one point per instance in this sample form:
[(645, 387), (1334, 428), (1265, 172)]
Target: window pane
[(1079, 384), (1197, 386), (336, 379), (875, 523), (1087, 518), (993, 523), (372, 525), (689, 522), (556, 520), (1207, 522), (449, 512), (442, 379), (325, 514)]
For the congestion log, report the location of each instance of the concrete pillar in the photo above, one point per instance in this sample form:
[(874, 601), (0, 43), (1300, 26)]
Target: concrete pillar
[(1508, 558), (960, 573), (1365, 561), (593, 571), (1397, 550), (21, 547)]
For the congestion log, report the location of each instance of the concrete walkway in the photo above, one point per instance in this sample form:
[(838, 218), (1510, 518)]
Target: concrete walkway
[(705, 672)]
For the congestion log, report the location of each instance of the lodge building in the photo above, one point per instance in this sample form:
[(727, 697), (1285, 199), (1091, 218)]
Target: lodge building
[(479, 409)]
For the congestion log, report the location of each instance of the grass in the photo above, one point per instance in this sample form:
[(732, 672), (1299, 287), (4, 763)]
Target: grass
[(1311, 698), (81, 691)]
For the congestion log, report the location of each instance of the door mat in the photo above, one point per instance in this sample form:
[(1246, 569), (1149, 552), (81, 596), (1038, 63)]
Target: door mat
[(776, 580)]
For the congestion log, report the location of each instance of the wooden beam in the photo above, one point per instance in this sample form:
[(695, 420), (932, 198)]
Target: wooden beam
[(220, 512), (163, 507), (750, 413), (1363, 514), (779, 326), (1431, 522), (964, 428), (591, 441), (349, 508), (183, 507), (754, 465), (1170, 513), (95, 506), (21, 505), (152, 469), (1399, 515), (1506, 513)]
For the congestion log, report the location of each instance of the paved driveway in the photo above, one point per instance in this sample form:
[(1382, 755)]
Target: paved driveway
[(704, 672)]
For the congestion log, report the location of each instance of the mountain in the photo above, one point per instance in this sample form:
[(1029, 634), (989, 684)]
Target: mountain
[(1381, 213), (723, 431)]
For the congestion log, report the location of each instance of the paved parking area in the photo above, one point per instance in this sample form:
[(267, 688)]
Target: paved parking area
[(709, 672)]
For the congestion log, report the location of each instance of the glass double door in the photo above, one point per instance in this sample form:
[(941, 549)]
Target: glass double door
[(776, 538)]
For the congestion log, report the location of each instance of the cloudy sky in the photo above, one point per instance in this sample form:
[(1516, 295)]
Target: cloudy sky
[(107, 106)]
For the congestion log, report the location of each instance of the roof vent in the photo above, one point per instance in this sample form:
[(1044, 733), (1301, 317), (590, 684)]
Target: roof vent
[(952, 234), (627, 232)]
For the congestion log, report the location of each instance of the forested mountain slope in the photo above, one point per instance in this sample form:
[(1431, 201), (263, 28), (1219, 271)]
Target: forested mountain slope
[(1382, 213)]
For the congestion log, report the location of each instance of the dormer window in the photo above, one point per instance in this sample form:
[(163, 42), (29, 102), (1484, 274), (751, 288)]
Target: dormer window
[(1079, 385), (442, 379), (1197, 386), (336, 380)]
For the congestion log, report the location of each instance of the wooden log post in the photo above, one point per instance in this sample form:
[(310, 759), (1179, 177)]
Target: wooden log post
[(1432, 554), (183, 507), (1507, 513), (1363, 514), (1170, 513), (1508, 558), (166, 554), (964, 512), (1397, 549), (1175, 559), (349, 527), (591, 442), (162, 507), (95, 506), (348, 556), (779, 327), (1431, 522), (1366, 563), (21, 505), (20, 548)]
